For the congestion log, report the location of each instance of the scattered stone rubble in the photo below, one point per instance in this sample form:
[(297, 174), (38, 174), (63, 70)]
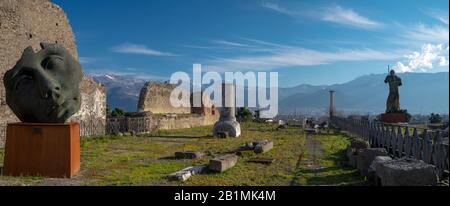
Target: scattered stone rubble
[(263, 146), (381, 170), (259, 146)]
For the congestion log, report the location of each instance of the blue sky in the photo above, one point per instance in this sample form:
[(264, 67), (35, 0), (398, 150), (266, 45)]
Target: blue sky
[(313, 42)]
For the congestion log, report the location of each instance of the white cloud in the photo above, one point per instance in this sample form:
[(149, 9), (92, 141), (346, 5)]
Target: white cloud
[(345, 16), (276, 7), (86, 60), (422, 32), (230, 43), (334, 14), (428, 58), (128, 48), (283, 56), (440, 15)]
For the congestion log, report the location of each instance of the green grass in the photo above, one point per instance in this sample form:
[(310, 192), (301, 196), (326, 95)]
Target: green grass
[(148, 159), (330, 168)]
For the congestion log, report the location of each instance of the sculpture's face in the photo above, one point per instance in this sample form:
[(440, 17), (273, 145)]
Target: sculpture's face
[(43, 87), (392, 72)]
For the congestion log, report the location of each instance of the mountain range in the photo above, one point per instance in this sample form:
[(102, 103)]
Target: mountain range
[(421, 93)]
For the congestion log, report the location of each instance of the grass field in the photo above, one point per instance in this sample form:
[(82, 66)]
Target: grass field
[(147, 160)]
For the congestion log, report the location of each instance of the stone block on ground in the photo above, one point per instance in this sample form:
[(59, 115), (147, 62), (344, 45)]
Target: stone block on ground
[(366, 157), (372, 178), (223, 163), (406, 172), (188, 155), (186, 173), (263, 146)]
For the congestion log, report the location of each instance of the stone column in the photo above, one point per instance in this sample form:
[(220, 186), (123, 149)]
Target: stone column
[(227, 126), (331, 104)]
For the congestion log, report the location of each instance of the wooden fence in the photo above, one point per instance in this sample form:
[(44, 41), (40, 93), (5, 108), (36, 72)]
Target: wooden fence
[(431, 146)]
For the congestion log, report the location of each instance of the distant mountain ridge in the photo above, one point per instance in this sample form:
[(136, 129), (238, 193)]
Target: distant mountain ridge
[(421, 93), (122, 91)]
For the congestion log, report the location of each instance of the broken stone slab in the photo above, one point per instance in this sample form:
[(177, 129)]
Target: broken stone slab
[(372, 177), (406, 172), (188, 155), (366, 157), (187, 172), (263, 146), (223, 163)]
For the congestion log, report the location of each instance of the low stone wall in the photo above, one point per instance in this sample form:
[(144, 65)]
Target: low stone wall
[(153, 122), (168, 122)]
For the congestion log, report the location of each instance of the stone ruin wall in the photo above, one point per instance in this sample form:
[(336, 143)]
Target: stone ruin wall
[(30, 22), (155, 98), (154, 101)]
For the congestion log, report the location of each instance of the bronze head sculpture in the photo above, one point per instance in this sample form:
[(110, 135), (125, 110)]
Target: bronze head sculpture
[(43, 87)]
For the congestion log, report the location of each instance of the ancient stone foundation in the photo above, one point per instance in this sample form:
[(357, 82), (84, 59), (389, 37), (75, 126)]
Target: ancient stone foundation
[(26, 23), (177, 121)]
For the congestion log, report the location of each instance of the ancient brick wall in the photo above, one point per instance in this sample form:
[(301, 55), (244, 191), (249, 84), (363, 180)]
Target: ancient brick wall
[(30, 22)]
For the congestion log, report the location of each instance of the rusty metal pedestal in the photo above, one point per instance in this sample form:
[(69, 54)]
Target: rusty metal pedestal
[(48, 150)]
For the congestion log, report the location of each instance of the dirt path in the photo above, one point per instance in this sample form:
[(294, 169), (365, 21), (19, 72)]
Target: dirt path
[(309, 159), (314, 153)]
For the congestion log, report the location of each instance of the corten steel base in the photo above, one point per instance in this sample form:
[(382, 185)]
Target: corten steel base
[(393, 117), (48, 150)]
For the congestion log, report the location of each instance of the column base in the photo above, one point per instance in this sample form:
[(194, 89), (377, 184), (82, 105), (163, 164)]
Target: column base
[(227, 128)]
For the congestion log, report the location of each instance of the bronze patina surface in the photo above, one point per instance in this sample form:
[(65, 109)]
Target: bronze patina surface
[(43, 87)]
